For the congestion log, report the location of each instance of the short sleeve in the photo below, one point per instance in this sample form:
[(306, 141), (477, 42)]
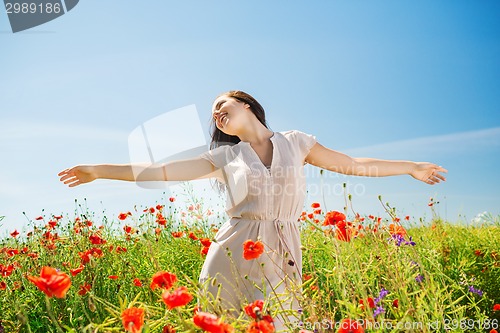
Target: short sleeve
[(304, 142), (219, 156)]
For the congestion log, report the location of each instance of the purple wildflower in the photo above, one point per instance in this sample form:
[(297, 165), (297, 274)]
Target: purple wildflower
[(378, 310), (475, 291), (419, 278)]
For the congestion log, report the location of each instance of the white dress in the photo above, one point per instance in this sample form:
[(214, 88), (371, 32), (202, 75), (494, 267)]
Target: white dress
[(263, 204)]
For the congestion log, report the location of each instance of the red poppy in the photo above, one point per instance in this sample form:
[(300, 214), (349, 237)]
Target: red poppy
[(177, 234), (371, 303), (333, 217), (171, 199), (84, 289), (133, 319), (14, 233), (113, 277), (250, 308), (6, 270), (123, 216), (210, 323), (137, 282), (397, 230), (350, 326), (127, 229), (493, 331), (252, 250), (96, 239), (205, 242), (317, 211), (395, 303), (52, 282), (193, 236), (168, 329), (3, 285), (204, 250), (76, 271), (39, 218), (163, 280), (178, 297), (478, 253), (343, 233), (159, 207), (315, 205), (496, 307), (261, 326)]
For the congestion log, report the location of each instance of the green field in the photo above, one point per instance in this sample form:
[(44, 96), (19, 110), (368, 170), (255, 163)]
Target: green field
[(393, 274)]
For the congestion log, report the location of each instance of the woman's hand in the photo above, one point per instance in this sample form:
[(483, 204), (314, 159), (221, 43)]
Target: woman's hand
[(77, 175), (428, 173)]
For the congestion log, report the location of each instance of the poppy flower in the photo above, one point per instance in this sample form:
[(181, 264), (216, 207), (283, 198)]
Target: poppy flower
[(205, 242), (370, 301), (163, 280), (250, 308), (96, 239), (395, 303), (204, 250), (76, 271), (113, 277), (171, 199), (333, 217), (84, 289), (127, 229), (342, 232), (178, 297), (496, 307), (397, 230), (177, 234), (193, 236), (123, 216), (350, 326), (261, 326), (210, 323), (6, 270), (52, 282), (3, 285), (168, 329), (315, 205), (133, 319), (14, 233), (137, 282), (252, 250)]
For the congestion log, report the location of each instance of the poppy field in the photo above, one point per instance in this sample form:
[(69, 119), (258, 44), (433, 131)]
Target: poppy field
[(137, 271)]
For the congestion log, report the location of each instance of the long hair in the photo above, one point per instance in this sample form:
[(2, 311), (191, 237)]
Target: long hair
[(220, 138)]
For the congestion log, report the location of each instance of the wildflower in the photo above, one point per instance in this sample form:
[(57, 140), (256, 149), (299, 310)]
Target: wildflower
[(204, 250), (252, 307), (478, 253), (6, 270), (113, 277), (370, 301), (333, 217), (177, 234), (163, 280), (137, 282), (395, 229), (171, 199), (419, 278), (76, 271), (39, 218), (14, 233), (493, 331), (475, 291), (496, 307), (378, 311), (123, 216), (350, 326), (3, 285), (252, 250), (133, 319), (315, 205), (127, 229), (52, 282), (192, 236), (96, 239), (168, 329), (395, 303), (210, 323), (178, 297), (84, 289), (342, 232), (261, 326), (205, 242)]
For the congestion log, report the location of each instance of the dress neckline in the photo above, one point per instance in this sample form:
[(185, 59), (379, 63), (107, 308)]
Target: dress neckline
[(267, 167)]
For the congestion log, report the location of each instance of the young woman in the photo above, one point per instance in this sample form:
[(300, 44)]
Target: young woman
[(262, 174)]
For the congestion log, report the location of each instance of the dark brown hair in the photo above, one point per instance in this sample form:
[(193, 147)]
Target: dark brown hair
[(220, 138)]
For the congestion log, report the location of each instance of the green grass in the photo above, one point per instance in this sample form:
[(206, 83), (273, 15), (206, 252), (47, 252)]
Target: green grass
[(431, 280)]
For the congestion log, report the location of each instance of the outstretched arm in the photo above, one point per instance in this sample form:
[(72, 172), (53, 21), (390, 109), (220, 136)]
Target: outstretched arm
[(191, 169), (332, 160)]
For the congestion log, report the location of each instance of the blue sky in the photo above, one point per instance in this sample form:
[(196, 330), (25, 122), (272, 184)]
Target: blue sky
[(388, 79)]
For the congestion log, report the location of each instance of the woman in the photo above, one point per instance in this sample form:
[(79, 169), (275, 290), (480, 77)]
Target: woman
[(262, 173)]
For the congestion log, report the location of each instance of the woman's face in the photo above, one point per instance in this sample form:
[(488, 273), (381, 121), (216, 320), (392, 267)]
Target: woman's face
[(230, 115)]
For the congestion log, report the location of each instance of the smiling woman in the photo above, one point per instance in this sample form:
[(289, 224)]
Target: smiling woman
[(256, 254)]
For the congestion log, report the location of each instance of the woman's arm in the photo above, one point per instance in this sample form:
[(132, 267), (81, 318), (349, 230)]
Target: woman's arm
[(332, 160), (183, 170)]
